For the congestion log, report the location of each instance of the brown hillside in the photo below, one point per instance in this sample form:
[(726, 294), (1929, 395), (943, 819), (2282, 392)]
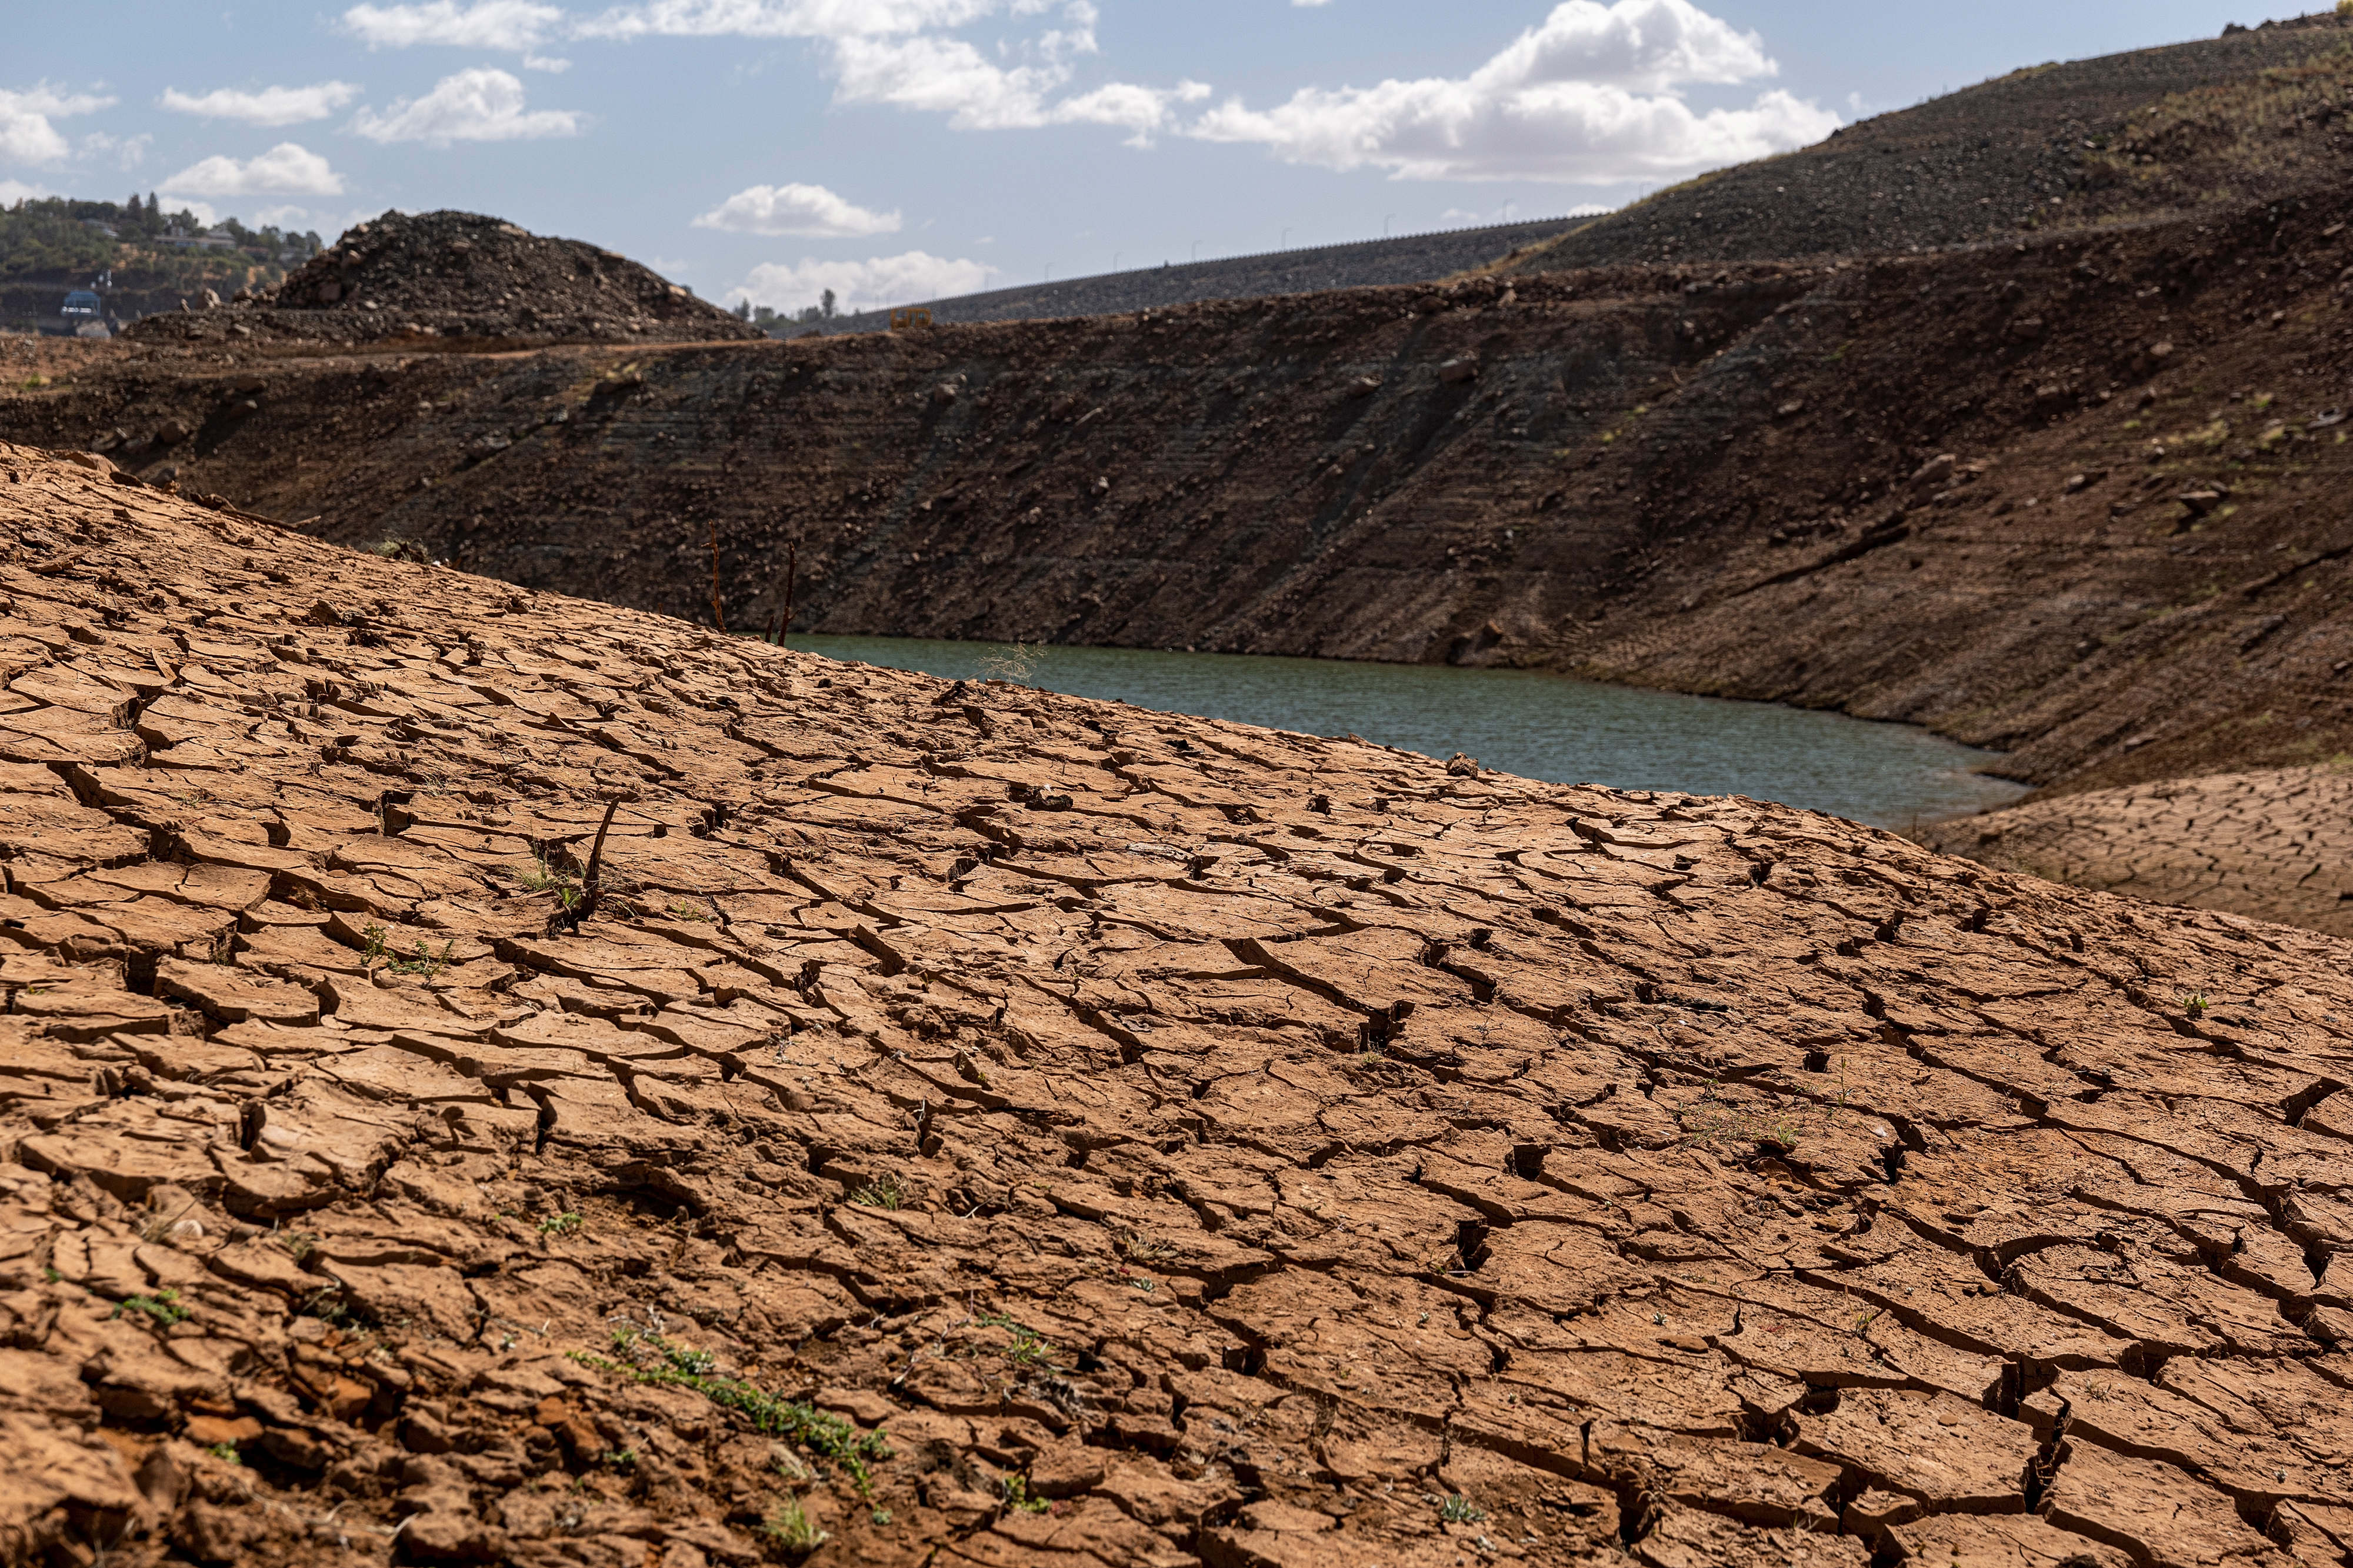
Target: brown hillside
[(983, 1127), (2213, 124)]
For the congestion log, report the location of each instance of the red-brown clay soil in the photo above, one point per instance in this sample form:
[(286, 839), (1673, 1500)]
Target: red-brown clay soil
[(992, 1128), (2276, 845)]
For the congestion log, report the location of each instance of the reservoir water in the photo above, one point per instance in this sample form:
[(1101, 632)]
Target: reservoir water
[(1538, 725)]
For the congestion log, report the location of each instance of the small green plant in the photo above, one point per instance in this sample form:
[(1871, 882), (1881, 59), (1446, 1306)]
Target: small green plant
[(1458, 1509), (298, 1244), (683, 911), (1017, 1497), (427, 962), (539, 876), (621, 1458), (374, 935), (562, 1225), (163, 1306), (654, 1361), (226, 1453), (883, 1193), (790, 1527), (2194, 1005), (1029, 1348), (882, 1516)]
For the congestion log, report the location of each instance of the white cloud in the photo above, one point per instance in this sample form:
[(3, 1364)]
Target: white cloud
[(271, 106), (14, 191), (286, 170), (478, 105), (951, 76), (128, 151), (908, 280), (25, 134), (810, 210), (515, 27), (789, 18), (1589, 94)]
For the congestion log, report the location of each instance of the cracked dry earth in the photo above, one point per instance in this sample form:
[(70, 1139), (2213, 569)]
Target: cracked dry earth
[(965, 1125), (2276, 842)]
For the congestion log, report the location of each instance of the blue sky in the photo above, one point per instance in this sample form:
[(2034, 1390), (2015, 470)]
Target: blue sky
[(896, 149)]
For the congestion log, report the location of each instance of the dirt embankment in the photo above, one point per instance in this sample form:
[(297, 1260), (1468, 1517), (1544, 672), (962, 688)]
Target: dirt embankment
[(1719, 479), (490, 1076)]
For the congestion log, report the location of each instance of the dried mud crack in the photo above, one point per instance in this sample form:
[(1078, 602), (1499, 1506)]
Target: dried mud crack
[(968, 1125)]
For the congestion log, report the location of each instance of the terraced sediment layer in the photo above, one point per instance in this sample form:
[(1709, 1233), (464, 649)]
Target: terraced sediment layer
[(495, 1078)]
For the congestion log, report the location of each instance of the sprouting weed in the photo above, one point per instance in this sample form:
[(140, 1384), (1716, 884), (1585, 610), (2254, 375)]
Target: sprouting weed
[(1460, 1509), (1017, 1497), (880, 1516), (790, 1527), (655, 1361), (226, 1453), (562, 1225), (426, 962), (374, 935), (1029, 1348), (2194, 1005), (163, 1306), (539, 876), (621, 1458), (683, 911), (883, 1193)]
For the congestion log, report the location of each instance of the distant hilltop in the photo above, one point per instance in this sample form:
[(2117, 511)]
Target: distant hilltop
[(1406, 258)]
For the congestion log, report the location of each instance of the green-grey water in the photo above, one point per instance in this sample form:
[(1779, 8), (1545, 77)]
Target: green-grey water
[(1536, 725)]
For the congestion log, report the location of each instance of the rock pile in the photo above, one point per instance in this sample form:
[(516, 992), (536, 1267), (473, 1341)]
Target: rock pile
[(494, 1077), (460, 276)]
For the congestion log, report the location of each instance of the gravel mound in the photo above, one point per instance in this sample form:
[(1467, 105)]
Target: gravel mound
[(460, 276)]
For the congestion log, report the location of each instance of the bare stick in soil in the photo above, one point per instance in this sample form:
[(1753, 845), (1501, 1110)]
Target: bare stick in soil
[(592, 887), (717, 613), (782, 627)]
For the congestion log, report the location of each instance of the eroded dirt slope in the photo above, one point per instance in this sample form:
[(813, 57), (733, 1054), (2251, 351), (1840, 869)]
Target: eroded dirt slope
[(987, 1127)]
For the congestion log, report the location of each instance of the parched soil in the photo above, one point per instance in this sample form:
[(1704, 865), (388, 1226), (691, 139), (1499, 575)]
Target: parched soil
[(2275, 845), (491, 1076), (452, 275)]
